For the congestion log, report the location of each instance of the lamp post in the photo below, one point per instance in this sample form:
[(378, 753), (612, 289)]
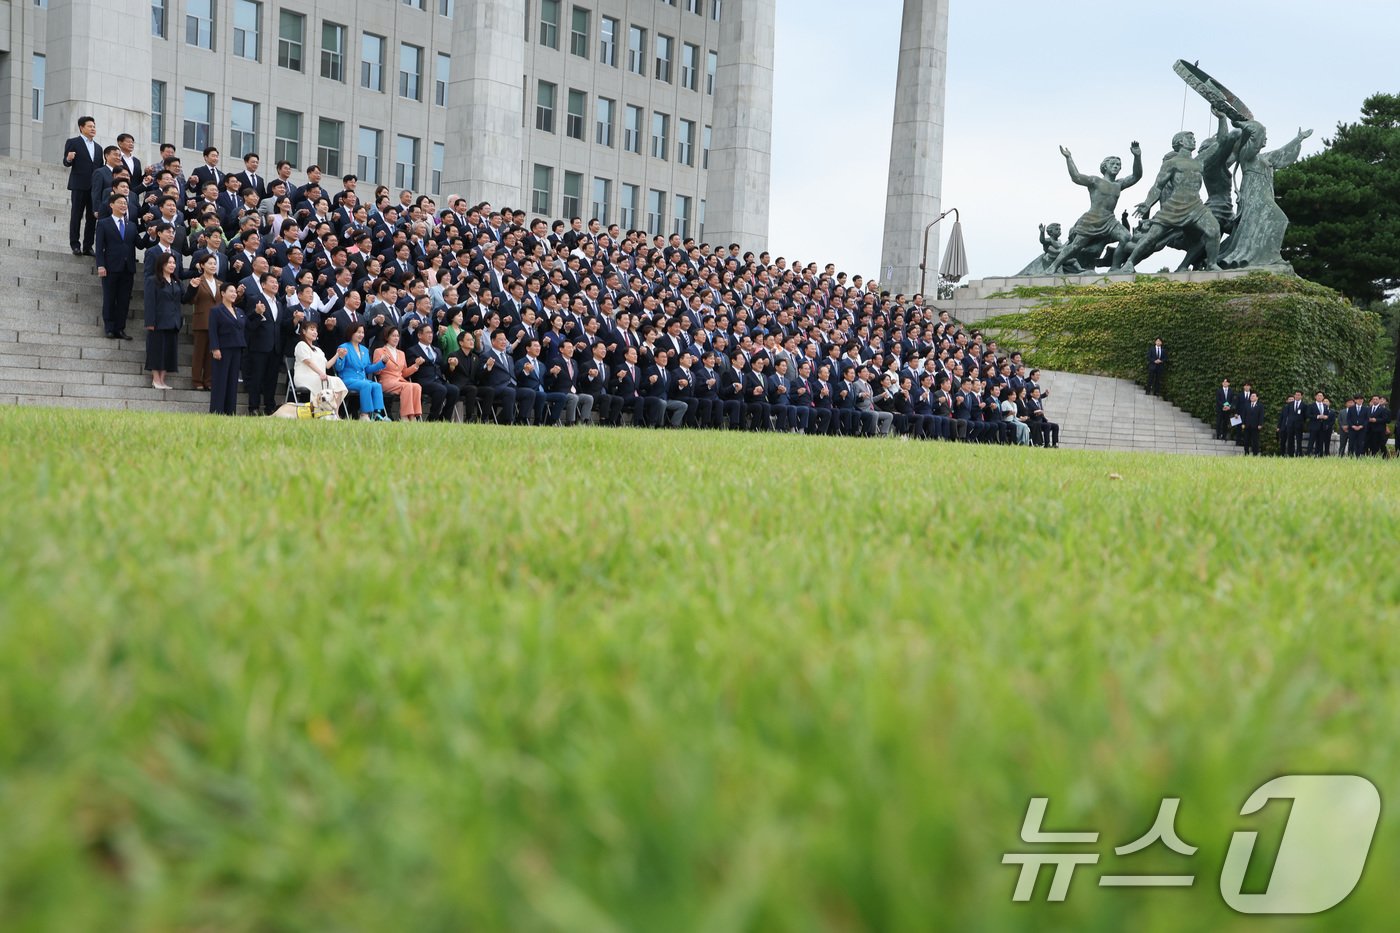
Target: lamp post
[(923, 262)]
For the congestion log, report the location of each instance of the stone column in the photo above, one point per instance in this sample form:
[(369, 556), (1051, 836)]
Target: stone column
[(737, 186), (913, 199), (485, 140), (99, 64)]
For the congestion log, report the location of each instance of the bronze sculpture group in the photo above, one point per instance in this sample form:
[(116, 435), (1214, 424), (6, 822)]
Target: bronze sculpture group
[(1213, 232)]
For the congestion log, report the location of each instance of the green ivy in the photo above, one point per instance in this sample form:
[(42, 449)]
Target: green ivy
[(1277, 332)]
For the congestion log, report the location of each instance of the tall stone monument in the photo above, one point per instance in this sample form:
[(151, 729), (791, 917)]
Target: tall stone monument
[(118, 95), (485, 135), (914, 196), (737, 193)]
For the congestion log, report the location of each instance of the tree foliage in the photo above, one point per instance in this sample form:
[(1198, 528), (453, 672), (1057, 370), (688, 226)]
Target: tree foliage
[(1278, 332), (1343, 206)]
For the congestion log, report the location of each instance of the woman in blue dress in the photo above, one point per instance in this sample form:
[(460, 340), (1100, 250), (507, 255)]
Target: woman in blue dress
[(355, 369)]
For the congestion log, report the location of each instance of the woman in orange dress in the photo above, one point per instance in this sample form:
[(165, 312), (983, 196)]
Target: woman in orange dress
[(395, 379)]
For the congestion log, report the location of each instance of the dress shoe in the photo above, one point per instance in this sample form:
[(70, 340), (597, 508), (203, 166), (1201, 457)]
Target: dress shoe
[(77, 252), (110, 336), (123, 335), (89, 252)]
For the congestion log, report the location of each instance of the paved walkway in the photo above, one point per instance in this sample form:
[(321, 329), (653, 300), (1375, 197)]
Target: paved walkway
[(1099, 413)]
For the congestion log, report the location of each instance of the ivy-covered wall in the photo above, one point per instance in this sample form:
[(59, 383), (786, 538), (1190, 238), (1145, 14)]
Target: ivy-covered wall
[(1279, 333)]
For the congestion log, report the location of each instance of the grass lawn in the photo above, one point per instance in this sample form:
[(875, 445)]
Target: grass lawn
[(264, 675)]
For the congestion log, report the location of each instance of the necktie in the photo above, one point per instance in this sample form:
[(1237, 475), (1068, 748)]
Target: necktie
[(121, 229)]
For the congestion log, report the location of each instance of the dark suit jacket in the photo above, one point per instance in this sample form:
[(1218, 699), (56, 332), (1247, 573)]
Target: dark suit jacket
[(101, 187), (1253, 415), (433, 362), (116, 254), (1152, 355), (83, 165), (1224, 398), (266, 335), (534, 379), (594, 384), (624, 381), (499, 375), (562, 381), (227, 332)]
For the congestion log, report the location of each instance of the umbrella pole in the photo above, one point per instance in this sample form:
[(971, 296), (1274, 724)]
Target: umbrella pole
[(923, 263)]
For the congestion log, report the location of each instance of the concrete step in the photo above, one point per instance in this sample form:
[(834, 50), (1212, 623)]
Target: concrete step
[(1099, 413)]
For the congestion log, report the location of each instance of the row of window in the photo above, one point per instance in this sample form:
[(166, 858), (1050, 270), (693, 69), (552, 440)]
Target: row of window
[(291, 45), (196, 132), (604, 125), (601, 204), (663, 51)]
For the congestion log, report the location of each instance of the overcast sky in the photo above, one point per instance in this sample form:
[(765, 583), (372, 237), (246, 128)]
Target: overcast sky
[(1026, 77)]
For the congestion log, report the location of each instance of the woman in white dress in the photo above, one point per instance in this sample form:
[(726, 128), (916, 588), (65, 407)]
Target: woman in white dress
[(1008, 413), (311, 371)]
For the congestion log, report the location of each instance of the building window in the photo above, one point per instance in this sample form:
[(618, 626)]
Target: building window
[(706, 135), (628, 207), (372, 61), (660, 135), (291, 38), (439, 163), (685, 142), (695, 6), (680, 223), (549, 23), (36, 108), (286, 144), (544, 107), (443, 78), (247, 29), (158, 18), (700, 220), (664, 46), (199, 23), (446, 8), (637, 50), (416, 4), (607, 41), (714, 9), (199, 110), (573, 194), (332, 51), (603, 123), (656, 211), (542, 195), (711, 66), (367, 163), (578, 33), (328, 138), (632, 130), (157, 111), (573, 123), (602, 196), (410, 70), (243, 127), (406, 162), (690, 67)]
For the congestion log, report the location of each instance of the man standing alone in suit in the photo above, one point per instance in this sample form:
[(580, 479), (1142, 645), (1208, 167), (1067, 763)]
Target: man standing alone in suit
[(82, 155), (1253, 415), (1156, 366), (1320, 418), (116, 266), (1224, 409)]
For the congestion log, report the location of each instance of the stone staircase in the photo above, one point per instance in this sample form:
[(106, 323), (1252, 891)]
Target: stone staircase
[(52, 348), (1100, 413)]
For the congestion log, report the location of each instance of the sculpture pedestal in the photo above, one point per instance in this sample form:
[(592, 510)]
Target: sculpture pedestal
[(976, 301)]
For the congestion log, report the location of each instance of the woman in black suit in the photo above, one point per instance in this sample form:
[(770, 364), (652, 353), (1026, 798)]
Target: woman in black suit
[(227, 340), (163, 318)]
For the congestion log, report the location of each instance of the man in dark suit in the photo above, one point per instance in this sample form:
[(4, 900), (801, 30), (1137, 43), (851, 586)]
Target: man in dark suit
[(208, 173), (126, 143), (82, 156), (440, 396), (756, 404), (249, 177), (1253, 415), (594, 380), (1320, 418), (1224, 409), (462, 366), (1354, 427), (269, 330), (1049, 431), (1377, 417), (103, 179), (498, 374), (658, 393), (1156, 366), (115, 249), (1293, 423), (709, 411), (627, 377), (529, 375), (561, 383)]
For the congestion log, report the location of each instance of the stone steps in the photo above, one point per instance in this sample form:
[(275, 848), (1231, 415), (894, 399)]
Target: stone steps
[(1099, 413)]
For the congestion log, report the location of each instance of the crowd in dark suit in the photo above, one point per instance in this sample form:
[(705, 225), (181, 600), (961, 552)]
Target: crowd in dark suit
[(533, 322), (1304, 427)]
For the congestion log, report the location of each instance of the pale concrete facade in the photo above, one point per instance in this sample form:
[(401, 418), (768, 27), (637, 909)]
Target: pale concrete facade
[(914, 196), (442, 96)]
